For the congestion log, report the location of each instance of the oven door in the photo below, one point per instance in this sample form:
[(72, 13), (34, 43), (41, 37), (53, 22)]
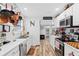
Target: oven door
[(69, 21), (59, 47), (57, 44)]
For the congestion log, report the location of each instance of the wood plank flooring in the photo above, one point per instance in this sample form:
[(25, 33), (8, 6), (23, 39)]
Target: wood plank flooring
[(44, 49)]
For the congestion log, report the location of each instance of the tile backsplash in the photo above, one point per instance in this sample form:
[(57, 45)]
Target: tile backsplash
[(68, 29)]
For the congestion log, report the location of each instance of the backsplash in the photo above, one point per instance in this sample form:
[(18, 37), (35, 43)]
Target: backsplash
[(69, 29)]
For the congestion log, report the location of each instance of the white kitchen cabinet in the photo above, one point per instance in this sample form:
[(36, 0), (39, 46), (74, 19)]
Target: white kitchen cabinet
[(13, 52), (70, 51), (67, 50), (69, 11), (29, 44), (61, 16), (23, 48), (76, 14), (52, 41)]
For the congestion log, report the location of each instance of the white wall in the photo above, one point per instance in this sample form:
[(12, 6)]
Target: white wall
[(27, 24), (46, 22), (42, 30), (56, 23)]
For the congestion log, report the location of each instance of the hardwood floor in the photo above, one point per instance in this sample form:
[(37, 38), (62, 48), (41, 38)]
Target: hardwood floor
[(46, 49), (43, 50)]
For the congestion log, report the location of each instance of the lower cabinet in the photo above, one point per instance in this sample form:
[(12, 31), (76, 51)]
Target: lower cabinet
[(29, 44), (52, 41), (71, 51), (13, 52)]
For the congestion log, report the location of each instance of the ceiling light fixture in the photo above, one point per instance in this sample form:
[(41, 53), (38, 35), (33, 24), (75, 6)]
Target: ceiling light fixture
[(57, 9), (25, 8)]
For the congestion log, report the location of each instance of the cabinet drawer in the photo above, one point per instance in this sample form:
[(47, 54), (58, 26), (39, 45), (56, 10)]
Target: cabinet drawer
[(14, 52)]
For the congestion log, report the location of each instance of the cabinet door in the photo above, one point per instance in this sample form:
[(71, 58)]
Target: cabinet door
[(76, 53), (24, 48), (52, 41), (13, 52), (76, 14), (69, 11), (68, 51), (28, 44)]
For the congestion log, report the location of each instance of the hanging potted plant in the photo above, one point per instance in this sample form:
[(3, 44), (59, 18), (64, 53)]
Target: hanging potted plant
[(14, 19), (4, 15), (20, 17)]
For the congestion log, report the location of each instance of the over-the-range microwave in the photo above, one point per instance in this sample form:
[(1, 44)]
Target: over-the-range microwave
[(62, 23), (67, 22)]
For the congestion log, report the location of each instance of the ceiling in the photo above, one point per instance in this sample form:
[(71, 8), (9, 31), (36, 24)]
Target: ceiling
[(41, 9)]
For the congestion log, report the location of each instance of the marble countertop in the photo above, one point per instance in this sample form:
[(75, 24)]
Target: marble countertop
[(9, 46)]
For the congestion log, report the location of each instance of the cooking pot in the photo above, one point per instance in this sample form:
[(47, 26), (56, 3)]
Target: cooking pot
[(3, 19), (14, 19), (5, 15)]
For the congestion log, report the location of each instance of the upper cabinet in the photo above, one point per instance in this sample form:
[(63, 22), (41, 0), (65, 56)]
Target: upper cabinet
[(70, 17), (65, 19), (69, 11), (56, 23), (76, 14)]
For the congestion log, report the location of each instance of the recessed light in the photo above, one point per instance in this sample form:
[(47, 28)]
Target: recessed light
[(25, 8), (57, 9)]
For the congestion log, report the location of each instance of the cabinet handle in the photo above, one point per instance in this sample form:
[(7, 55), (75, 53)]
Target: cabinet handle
[(26, 45), (13, 52), (0, 49), (71, 54), (21, 44)]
